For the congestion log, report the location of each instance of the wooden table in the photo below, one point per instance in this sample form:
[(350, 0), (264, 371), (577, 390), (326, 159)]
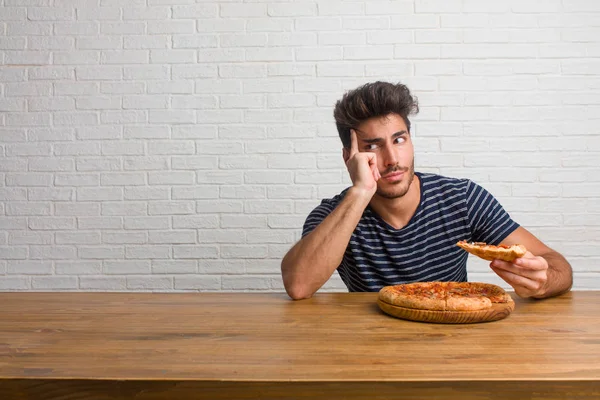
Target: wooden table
[(256, 345)]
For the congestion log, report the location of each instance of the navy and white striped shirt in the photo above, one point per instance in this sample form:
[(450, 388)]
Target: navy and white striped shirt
[(425, 249)]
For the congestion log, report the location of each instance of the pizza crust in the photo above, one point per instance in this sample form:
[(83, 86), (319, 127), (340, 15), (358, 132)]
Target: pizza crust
[(420, 295), (490, 252)]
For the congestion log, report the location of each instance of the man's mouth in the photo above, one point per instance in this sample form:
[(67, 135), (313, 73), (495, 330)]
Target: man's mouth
[(393, 176)]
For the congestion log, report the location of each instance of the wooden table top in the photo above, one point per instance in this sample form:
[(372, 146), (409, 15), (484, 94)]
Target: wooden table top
[(262, 337)]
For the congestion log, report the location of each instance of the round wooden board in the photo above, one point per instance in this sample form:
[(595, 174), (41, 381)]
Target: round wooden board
[(497, 312)]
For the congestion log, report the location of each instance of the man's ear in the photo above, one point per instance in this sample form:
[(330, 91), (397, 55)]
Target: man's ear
[(345, 154)]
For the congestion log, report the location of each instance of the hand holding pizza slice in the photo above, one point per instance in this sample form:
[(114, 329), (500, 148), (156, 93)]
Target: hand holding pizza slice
[(526, 273)]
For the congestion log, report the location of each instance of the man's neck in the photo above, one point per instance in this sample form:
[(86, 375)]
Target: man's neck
[(398, 212)]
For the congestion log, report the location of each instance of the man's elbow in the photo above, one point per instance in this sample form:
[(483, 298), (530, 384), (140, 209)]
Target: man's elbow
[(297, 292)]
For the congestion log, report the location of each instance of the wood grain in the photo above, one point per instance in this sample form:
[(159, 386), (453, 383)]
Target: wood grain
[(497, 312), (225, 345)]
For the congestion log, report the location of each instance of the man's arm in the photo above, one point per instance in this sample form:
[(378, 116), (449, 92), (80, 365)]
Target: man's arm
[(541, 273), (312, 261)]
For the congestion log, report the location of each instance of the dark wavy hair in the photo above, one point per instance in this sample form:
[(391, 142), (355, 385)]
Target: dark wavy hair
[(375, 99)]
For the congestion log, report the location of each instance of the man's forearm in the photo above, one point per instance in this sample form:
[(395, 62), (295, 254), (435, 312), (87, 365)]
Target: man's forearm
[(560, 275), (312, 261)]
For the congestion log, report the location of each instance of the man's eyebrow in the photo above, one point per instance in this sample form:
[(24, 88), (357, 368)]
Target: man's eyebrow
[(377, 140)]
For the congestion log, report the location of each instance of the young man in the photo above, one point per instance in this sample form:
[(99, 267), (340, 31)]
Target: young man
[(395, 225)]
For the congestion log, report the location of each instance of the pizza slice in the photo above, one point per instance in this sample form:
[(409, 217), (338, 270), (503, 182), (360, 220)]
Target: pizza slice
[(491, 252)]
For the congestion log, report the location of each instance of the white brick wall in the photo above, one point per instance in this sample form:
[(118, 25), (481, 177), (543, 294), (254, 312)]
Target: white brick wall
[(173, 145)]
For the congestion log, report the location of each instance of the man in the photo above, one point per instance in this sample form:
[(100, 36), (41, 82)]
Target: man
[(395, 225)]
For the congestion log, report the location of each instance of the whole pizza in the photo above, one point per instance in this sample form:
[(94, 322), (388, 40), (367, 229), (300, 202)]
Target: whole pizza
[(444, 296)]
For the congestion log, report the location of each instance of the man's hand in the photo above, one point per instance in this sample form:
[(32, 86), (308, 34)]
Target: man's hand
[(362, 167), (527, 275)]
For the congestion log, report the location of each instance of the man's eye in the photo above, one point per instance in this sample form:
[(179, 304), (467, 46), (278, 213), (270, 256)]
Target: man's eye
[(400, 140), (370, 147)]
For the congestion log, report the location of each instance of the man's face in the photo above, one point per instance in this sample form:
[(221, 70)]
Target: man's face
[(388, 138)]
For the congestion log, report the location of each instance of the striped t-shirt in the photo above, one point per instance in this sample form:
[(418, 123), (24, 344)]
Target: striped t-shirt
[(425, 249)]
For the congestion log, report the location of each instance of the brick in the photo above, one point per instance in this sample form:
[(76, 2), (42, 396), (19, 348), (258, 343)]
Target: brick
[(212, 236), (100, 252), (234, 282), (268, 177), (123, 179), (195, 252), (55, 282), (99, 223), (102, 283), (13, 223), (14, 282), (170, 207), (28, 208), (98, 42), (124, 237), (318, 24), (51, 223), (268, 207), (243, 221), (30, 267), (209, 206), (28, 179), (146, 223), (147, 251), (193, 132), (77, 238), (27, 237), (195, 41), (146, 193), (79, 88), (243, 251), (172, 237), (28, 149), (147, 163), (146, 42), (146, 12), (121, 87), (124, 208), (330, 53), (77, 180), (171, 117), (174, 267), (13, 164), (99, 194), (124, 56), (195, 222), (194, 102), (155, 283), (198, 282), (13, 253), (53, 252), (78, 267), (286, 221), (260, 236), (126, 267), (171, 178), (76, 118), (146, 72)]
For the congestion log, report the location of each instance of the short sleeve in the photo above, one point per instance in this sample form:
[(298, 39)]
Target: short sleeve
[(488, 220), (317, 215)]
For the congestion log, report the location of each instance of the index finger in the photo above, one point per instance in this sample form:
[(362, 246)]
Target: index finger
[(353, 142)]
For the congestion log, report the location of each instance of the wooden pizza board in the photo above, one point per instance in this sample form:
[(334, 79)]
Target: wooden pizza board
[(496, 312)]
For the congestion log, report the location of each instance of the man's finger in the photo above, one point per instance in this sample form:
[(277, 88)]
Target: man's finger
[(353, 143)]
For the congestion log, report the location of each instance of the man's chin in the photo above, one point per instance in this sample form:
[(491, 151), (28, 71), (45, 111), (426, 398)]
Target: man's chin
[(394, 190)]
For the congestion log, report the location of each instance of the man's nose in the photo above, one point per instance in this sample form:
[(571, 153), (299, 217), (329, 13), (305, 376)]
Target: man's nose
[(389, 156)]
